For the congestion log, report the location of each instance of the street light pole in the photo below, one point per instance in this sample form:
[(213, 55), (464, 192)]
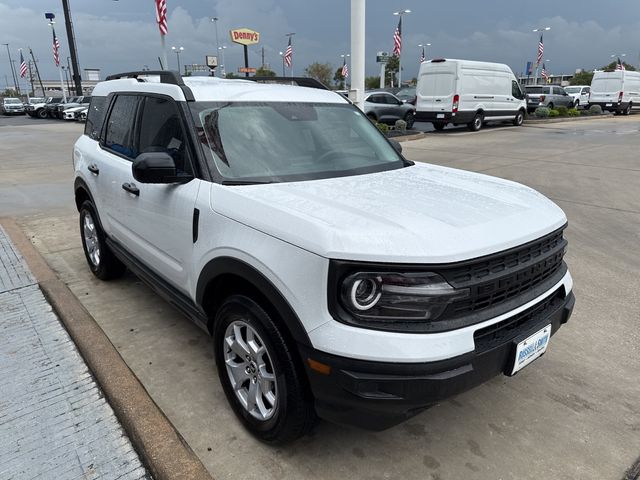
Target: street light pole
[(215, 24), (540, 29), (178, 50), (50, 17), (77, 79), (282, 55), (223, 68), (13, 71), (400, 14)]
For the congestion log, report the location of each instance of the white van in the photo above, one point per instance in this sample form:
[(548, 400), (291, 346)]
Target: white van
[(617, 91), (468, 92)]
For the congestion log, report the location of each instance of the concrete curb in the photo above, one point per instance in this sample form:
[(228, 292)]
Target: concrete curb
[(160, 446), (536, 121), (406, 138)]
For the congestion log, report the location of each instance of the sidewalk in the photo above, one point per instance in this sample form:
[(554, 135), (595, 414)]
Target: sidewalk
[(54, 420)]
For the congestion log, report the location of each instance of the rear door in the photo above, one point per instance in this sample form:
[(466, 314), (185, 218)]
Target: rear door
[(605, 87), (436, 87)]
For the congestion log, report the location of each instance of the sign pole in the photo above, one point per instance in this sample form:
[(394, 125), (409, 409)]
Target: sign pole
[(246, 60)]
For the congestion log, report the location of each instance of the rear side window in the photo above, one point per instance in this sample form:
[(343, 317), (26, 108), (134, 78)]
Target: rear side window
[(161, 130), (119, 135), (95, 115)]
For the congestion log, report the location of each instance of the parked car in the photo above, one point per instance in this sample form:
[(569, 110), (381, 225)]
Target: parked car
[(465, 92), (384, 107), (336, 277), (75, 113), (407, 95), (580, 95), (617, 91), (72, 103), (12, 106), (39, 109), (52, 107), (549, 96)]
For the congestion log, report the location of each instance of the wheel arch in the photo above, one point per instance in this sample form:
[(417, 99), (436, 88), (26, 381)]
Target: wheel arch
[(224, 276)]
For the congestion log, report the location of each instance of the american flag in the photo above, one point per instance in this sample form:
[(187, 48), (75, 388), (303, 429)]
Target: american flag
[(544, 73), (56, 48), (288, 55), (620, 65), (397, 39), (540, 50), (23, 66), (422, 57), (345, 69), (161, 16)]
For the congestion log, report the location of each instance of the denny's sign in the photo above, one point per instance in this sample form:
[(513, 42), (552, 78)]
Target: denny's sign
[(244, 36)]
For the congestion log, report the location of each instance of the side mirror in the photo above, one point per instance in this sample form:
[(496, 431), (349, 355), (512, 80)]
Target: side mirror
[(156, 167), (396, 145)]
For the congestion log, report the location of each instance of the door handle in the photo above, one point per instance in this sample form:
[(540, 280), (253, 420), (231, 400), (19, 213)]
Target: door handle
[(131, 188), (93, 168)]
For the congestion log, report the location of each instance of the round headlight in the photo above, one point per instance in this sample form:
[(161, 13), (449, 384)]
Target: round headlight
[(364, 293)]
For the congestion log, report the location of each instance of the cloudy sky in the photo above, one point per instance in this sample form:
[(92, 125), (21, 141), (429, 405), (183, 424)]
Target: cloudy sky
[(121, 35)]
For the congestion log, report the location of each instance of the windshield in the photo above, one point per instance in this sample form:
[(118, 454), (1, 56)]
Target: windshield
[(280, 141), (12, 101), (36, 100), (54, 100), (572, 89)]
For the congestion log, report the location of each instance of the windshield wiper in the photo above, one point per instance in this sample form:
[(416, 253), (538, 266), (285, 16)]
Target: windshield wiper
[(246, 182)]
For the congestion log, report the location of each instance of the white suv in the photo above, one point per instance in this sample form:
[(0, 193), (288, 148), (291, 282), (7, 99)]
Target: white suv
[(337, 278)]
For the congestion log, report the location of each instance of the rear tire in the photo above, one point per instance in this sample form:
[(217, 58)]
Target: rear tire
[(519, 118), (550, 106), (260, 374), (627, 110), (439, 125), (576, 105), (476, 124), (102, 262)]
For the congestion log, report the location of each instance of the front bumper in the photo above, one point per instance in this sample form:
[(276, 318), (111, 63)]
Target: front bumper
[(378, 395)]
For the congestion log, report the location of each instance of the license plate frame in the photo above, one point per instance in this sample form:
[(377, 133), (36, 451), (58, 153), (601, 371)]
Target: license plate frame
[(439, 115), (530, 348)]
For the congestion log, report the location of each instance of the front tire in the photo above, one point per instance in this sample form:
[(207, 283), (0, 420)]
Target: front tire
[(519, 118), (42, 113), (410, 118), (260, 374), (101, 260), (476, 124)]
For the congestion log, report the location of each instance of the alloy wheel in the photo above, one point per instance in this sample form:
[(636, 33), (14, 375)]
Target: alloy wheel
[(250, 370), (91, 240)]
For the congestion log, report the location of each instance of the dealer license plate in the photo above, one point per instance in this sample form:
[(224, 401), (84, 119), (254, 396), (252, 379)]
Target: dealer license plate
[(608, 104), (531, 348), (440, 115)]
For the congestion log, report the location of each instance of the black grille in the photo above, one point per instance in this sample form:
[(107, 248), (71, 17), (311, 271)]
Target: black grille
[(497, 278), (502, 332)]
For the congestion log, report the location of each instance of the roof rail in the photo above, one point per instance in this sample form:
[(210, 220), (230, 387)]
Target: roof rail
[(166, 76), (299, 81)]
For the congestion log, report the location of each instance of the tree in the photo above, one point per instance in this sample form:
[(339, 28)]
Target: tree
[(582, 78), (231, 75), (338, 79), (612, 66), (10, 92), (391, 69), (265, 72), (371, 83), (320, 71)]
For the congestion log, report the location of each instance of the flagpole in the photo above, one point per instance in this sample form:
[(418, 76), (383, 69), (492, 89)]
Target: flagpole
[(165, 64)]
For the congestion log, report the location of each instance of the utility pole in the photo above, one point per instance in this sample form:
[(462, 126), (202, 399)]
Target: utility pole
[(33, 92), (35, 64), (77, 79), (262, 58), (13, 71)]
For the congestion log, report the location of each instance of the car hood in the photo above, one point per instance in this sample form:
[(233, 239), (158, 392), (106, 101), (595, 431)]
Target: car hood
[(418, 214)]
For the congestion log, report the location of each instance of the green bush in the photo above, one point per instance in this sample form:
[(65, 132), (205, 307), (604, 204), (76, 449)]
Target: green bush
[(573, 112), (383, 127), (554, 113), (562, 111), (541, 112), (595, 110), (400, 126)]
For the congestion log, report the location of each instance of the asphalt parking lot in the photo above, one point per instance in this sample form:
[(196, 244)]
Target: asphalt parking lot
[(575, 414)]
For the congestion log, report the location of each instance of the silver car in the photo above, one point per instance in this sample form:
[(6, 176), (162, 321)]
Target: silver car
[(12, 106), (384, 107), (549, 96)]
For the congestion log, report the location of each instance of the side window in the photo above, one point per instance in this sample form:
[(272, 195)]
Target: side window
[(558, 90), (374, 99), (161, 130), (95, 115), (120, 133), (586, 90), (390, 100), (515, 90)]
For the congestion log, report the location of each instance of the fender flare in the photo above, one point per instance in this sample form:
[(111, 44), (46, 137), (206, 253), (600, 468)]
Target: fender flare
[(229, 265)]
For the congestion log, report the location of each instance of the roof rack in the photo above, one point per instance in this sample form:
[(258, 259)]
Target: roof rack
[(299, 81), (166, 76)]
